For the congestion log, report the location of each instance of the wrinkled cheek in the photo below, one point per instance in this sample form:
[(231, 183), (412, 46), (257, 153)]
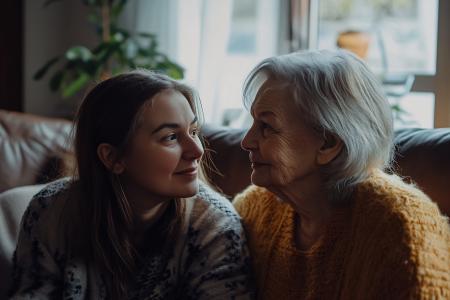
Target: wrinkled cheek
[(283, 170), (282, 174)]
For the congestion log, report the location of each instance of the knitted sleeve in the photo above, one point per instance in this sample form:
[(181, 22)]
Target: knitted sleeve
[(36, 272), (429, 243), (412, 261), (418, 258), (406, 250)]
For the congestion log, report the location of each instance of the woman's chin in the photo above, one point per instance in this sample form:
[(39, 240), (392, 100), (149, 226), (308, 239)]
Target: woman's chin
[(189, 190), (259, 180)]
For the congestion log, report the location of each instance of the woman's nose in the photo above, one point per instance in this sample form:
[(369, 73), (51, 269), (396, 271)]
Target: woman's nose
[(249, 141), (193, 148)]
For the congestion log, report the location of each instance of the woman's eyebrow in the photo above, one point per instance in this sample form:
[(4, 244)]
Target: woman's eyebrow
[(171, 125), (265, 114)]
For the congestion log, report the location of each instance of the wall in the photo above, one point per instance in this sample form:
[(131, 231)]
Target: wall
[(51, 30), (48, 32)]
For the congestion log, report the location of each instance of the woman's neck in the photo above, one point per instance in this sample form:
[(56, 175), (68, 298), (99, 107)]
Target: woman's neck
[(145, 219), (311, 202), (308, 230), (147, 209)]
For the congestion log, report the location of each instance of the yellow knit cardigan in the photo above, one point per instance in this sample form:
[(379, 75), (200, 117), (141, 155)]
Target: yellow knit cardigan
[(390, 243)]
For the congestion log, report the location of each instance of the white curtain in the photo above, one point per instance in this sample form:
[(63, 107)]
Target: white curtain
[(196, 34), (193, 33), (203, 33), (154, 16)]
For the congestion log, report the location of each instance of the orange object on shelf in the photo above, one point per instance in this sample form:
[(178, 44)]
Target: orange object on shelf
[(354, 41)]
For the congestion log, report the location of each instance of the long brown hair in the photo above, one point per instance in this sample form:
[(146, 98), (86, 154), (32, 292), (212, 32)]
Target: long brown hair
[(97, 220)]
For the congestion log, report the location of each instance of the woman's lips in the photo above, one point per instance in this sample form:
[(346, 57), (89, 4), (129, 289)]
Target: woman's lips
[(256, 163), (188, 172)]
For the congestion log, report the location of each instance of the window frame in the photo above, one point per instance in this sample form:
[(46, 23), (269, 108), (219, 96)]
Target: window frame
[(438, 84)]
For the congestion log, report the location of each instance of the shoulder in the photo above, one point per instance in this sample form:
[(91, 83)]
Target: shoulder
[(51, 191), (213, 226), (388, 197), (210, 208), (43, 204), (255, 202), (253, 194), (399, 217), (216, 262), (212, 222), (389, 194), (45, 197)]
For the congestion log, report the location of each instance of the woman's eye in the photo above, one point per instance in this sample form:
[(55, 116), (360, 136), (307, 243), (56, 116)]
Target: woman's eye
[(195, 132), (265, 126), (266, 129), (171, 137)]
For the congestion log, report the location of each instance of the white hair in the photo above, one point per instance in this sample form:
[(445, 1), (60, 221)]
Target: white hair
[(336, 94)]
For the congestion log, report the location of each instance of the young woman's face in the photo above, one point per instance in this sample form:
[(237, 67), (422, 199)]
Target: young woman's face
[(283, 150), (163, 159)]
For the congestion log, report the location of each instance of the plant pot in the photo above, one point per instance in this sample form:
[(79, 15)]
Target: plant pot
[(354, 41)]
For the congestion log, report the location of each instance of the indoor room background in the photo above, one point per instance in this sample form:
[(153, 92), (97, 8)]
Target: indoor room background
[(406, 43)]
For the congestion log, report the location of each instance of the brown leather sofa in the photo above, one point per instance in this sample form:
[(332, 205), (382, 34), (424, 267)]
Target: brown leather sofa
[(33, 149), (37, 149)]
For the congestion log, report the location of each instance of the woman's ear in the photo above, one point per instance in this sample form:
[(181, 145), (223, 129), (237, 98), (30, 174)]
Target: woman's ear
[(331, 147), (108, 156)]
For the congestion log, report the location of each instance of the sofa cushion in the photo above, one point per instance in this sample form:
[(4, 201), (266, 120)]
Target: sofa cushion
[(12, 206), (33, 149), (231, 168)]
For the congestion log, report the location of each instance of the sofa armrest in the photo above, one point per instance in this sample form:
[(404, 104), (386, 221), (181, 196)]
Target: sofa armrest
[(13, 204)]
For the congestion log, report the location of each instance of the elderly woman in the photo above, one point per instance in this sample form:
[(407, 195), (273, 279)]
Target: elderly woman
[(323, 218)]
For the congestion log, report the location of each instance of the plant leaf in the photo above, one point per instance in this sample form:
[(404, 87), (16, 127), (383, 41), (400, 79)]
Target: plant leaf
[(79, 53), (41, 72), (73, 87), (118, 37), (147, 35), (117, 9), (176, 73)]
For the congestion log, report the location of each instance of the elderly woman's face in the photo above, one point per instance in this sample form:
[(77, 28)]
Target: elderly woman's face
[(283, 150)]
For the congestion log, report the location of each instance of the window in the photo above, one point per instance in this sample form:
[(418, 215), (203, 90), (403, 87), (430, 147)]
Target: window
[(219, 42), (230, 38), (397, 38), (401, 33)]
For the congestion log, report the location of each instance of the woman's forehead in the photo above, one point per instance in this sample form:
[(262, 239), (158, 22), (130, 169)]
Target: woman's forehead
[(167, 106), (273, 97)]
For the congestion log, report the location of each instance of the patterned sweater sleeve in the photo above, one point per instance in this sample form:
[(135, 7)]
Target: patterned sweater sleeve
[(217, 265), (36, 273)]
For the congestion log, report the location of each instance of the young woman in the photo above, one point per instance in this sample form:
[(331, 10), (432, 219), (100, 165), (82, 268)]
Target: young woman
[(135, 223)]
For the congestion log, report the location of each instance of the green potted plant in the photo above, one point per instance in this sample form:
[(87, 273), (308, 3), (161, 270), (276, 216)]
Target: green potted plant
[(118, 50)]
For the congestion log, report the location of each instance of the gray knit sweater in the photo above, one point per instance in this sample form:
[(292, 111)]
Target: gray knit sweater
[(209, 259)]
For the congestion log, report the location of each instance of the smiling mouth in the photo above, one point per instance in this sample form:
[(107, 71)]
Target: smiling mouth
[(189, 172)]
